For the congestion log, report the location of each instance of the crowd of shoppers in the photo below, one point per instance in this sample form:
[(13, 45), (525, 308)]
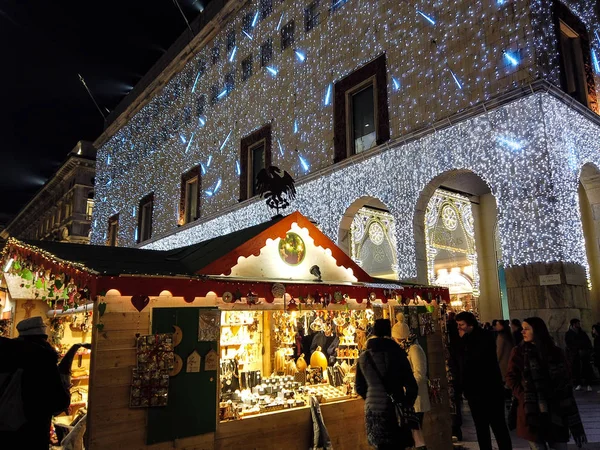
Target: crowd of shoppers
[(521, 360)]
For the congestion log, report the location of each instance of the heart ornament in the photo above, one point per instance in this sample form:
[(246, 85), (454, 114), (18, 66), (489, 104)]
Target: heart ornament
[(140, 301)]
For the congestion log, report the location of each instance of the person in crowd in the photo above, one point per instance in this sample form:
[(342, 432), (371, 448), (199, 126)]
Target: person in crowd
[(31, 359), (579, 352), (482, 382), (596, 336), (517, 331), (384, 368), (504, 345), (454, 343), (538, 374), (418, 363), (487, 326)]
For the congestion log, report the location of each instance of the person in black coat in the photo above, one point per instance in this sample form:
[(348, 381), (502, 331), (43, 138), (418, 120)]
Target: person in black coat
[(517, 331), (596, 336), (579, 353), (482, 382), (383, 431), (43, 393)]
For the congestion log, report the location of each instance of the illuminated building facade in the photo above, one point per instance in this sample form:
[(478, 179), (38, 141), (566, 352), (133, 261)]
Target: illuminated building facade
[(374, 106)]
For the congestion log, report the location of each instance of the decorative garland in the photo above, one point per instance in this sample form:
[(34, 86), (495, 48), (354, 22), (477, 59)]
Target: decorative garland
[(38, 270)]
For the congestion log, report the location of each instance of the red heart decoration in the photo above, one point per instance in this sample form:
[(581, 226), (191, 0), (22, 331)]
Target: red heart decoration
[(189, 299), (140, 301)]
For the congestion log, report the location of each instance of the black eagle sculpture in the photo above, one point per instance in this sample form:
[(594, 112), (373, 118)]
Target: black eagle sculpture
[(277, 186)]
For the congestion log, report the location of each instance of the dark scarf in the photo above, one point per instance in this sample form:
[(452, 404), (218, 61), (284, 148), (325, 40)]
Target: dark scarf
[(549, 400)]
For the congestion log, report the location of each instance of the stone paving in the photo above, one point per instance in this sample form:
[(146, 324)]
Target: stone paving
[(589, 408)]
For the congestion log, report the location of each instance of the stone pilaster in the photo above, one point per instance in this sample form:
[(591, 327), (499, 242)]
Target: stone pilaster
[(557, 304)]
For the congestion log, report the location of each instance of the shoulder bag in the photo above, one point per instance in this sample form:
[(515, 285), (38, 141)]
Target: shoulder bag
[(406, 415)]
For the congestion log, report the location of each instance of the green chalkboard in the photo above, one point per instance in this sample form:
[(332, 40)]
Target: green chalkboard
[(191, 408)]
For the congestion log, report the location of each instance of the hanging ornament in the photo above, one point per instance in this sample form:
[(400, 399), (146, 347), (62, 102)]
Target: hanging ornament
[(278, 290), (227, 297), (140, 301)]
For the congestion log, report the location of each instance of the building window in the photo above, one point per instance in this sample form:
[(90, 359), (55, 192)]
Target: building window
[(577, 77), (146, 207), (255, 155), (189, 205), (215, 54), (89, 208), (311, 16), (361, 119), (230, 40), (287, 35), (230, 81), (266, 8), (247, 68), (266, 53), (362, 111), (247, 22), (112, 239)]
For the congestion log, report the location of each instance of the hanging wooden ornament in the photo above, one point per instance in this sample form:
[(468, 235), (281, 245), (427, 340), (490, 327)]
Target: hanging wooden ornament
[(140, 301), (177, 336)]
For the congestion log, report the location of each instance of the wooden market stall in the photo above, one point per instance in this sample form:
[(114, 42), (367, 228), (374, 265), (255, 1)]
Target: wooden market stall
[(199, 347)]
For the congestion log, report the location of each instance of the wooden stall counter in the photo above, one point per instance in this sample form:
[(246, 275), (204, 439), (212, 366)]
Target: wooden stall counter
[(293, 429)]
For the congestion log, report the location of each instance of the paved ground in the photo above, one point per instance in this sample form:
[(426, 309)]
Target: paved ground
[(589, 408)]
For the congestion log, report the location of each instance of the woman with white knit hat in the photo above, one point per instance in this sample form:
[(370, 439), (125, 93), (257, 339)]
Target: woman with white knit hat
[(418, 362)]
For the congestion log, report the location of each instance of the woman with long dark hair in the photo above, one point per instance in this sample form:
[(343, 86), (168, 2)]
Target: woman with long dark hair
[(539, 376)]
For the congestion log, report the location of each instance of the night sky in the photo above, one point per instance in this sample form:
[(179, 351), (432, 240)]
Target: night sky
[(45, 109)]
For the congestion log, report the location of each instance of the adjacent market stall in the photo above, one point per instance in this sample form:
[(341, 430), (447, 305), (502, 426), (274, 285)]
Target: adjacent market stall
[(222, 344)]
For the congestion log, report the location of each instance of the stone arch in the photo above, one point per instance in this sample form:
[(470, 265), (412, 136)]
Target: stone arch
[(485, 214), (589, 209)]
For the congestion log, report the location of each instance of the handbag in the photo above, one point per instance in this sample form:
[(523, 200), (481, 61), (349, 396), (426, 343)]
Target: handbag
[(406, 415)]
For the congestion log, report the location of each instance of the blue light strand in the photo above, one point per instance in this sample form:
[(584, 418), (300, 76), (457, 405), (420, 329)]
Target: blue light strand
[(201, 121), (238, 170), (222, 94), (225, 141), (328, 95), (511, 58), (233, 53), (300, 56), (396, 83), (190, 142), (458, 83), (512, 144), (280, 20), (295, 126), (280, 148), (208, 161), (426, 17), (182, 138), (272, 70), (250, 37), (203, 168), (255, 19), (595, 62), (303, 163), (196, 82)]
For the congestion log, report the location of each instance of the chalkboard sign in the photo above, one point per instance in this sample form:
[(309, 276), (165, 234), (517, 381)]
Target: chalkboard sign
[(192, 406)]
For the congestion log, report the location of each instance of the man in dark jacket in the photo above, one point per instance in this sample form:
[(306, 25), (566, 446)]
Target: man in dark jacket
[(390, 360), (579, 352), (482, 382), (43, 393)]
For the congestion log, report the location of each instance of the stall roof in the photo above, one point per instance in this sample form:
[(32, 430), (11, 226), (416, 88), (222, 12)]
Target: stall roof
[(186, 261)]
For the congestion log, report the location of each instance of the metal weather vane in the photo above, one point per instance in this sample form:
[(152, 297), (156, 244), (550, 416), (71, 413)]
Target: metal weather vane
[(277, 186)]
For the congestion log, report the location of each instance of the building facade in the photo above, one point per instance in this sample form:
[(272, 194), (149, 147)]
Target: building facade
[(380, 109), (62, 208)]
